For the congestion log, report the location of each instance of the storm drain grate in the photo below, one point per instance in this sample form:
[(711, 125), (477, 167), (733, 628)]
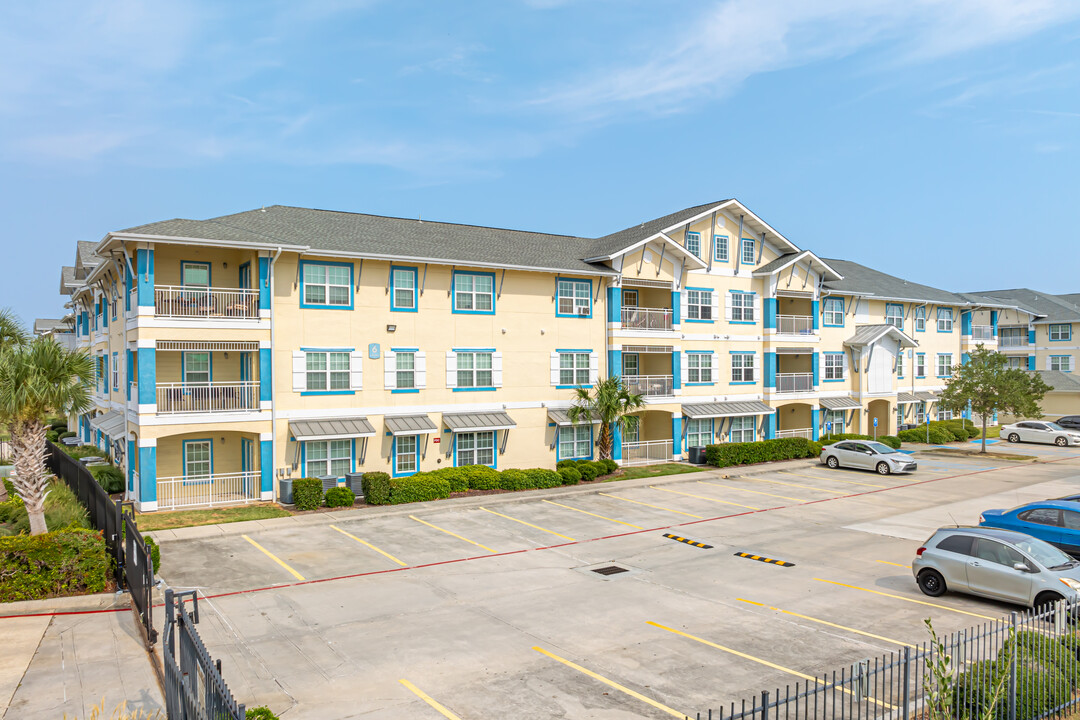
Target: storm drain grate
[(610, 570)]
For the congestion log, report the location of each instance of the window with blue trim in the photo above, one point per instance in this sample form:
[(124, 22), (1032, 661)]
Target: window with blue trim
[(574, 298), (327, 370), (894, 315), (920, 319), (403, 294), (404, 369), (575, 441), (1061, 363), (405, 454), (747, 251), (196, 368), (326, 285), (1060, 332), (693, 243), (920, 365), (944, 365), (944, 319), (195, 274), (742, 307), (474, 369), (476, 448), (328, 457), (742, 429), (573, 368), (838, 420), (834, 366), (900, 364), (699, 367), (742, 367), (699, 304), (699, 432), (720, 248), (198, 459), (474, 292), (834, 312), (115, 372)]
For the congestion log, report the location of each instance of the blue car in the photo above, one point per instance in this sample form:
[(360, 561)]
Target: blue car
[(1055, 521)]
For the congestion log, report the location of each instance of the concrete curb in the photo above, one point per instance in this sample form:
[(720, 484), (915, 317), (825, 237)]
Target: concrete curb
[(78, 603)]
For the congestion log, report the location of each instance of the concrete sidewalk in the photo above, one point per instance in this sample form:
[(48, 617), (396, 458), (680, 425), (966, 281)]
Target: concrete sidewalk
[(56, 666)]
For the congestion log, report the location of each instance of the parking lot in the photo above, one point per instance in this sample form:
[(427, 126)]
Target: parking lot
[(490, 607)]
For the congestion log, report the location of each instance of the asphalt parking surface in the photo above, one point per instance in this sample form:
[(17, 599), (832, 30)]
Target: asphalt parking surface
[(493, 610)]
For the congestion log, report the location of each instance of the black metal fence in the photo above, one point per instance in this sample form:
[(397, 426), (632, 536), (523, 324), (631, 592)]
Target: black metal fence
[(1023, 667), (194, 688), (139, 573)]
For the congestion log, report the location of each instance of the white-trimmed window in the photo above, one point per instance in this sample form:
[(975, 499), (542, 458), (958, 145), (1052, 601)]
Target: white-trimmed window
[(720, 248), (115, 371), (693, 243), (839, 422), (834, 366), (894, 315), (699, 432), (901, 411), (1061, 363), (920, 319), (327, 284), (1061, 332), (574, 368), (920, 365), (198, 459), (944, 414), (405, 372), (742, 306), (699, 367), (944, 365), (575, 297), (742, 367), (405, 454), (327, 370), (944, 319), (834, 312), (195, 274), (742, 429), (1018, 362), (196, 368), (900, 364), (475, 448), (699, 305), (328, 457), (474, 292), (474, 370), (920, 413), (748, 251), (404, 282), (575, 441)]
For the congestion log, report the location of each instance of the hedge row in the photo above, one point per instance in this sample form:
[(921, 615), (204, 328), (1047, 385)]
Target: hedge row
[(65, 562), (891, 440), (749, 453), (381, 489), (942, 432)]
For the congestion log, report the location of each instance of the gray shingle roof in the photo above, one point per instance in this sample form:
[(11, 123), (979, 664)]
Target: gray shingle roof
[(726, 409), (67, 280), (86, 257), (331, 428), (616, 241), (467, 422), (45, 324), (1059, 381), (867, 334), (861, 280), (1055, 308), (776, 264)]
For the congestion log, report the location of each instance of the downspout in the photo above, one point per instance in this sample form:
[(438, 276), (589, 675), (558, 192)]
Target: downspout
[(273, 400)]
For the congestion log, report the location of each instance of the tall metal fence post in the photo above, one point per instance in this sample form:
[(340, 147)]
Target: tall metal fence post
[(1012, 667), (905, 698), (764, 705)]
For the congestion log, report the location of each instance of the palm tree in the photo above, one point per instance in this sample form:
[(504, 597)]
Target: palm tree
[(608, 402), (12, 333), (38, 378)]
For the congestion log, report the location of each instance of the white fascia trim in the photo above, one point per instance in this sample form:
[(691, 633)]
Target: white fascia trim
[(205, 418), (147, 442), (753, 216), (618, 332), (313, 252), (725, 338), (390, 410), (209, 323), (266, 437), (814, 259), (349, 436), (180, 240), (778, 337), (660, 236)]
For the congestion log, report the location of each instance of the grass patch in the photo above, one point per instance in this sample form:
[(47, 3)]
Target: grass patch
[(210, 516), (647, 471), (992, 432), (973, 451)]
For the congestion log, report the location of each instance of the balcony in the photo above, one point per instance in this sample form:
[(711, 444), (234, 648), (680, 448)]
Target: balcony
[(1013, 341), (217, 489), (982, 332), (646, 452), (185, 302), (212, 397), (794, 324), (794, 382), (643, 318), (650, 385), (807, 433)]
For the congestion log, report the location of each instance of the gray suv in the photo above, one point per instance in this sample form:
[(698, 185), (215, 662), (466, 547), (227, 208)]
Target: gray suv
[(998, 564)]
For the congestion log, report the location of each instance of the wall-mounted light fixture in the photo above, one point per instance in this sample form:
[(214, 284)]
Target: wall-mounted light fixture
[(391, 328)]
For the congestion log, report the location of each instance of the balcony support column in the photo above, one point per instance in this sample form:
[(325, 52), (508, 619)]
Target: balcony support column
[(814, 421), (770, 426), (264, 285), (770, 313), (965, 323), (816, 364), (614, 362), (614, 304), (145, 280), (815, 312), (147, 490), (616, 441), (147, 376), (266, 376), (266, 466), (676, 370), (676, 436), (131, 467), (770, 370), (993, 323)]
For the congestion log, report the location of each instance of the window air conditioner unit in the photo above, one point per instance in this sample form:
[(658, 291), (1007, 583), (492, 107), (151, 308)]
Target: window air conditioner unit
[(583, 311)]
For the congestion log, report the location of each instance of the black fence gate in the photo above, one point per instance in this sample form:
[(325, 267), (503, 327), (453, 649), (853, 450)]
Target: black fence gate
[(194, 688), (139, 573)]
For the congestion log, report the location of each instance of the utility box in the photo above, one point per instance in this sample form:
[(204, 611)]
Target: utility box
[(696, 454), (328, 482), (285, 491), (354, 481)]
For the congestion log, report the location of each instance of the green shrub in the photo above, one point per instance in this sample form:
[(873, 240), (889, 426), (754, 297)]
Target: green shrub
[(514, 480), (340, 497), (890, 440), (155, 552), (417, 488), (938, 436), (376, 488), (62, 510), (5, 461), (837, 437), (565, 463), (58, 426), (307, 493), (541, 478), (81, 451), (65, 562), (459, 481), (610, 464), (51, 435), (588, 471), (260, 713), (109, 477), (600, 467), (728, 454), (64, 435), (480, 477), (570, 475)]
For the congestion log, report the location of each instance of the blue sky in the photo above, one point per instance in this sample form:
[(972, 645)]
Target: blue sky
[(934, 139)]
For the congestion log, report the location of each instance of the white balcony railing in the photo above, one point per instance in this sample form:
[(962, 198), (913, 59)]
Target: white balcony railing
[(220, 489), (641, 318), (794, 382), (197, 302), (646, 452), (1013, 341), (982, 332), (807, 433), (795, 324), (649, 385), (207, 397)]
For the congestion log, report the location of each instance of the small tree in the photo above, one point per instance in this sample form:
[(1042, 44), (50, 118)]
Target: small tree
[(986, 384), (36, 379), (609, 403), (12, 333)]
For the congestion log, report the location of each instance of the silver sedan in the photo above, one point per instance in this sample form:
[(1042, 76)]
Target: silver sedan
[(1040, 431), (867, 455)]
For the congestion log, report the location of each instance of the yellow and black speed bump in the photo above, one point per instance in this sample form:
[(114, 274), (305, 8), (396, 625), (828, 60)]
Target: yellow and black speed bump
[(762, 558), (695, 543)]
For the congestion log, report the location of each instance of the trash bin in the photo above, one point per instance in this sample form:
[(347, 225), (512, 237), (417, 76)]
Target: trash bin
[(285, 491), (328, 482), (354, 481), (697, 454)]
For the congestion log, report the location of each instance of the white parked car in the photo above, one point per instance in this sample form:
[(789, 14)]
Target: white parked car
[(1040, 431)]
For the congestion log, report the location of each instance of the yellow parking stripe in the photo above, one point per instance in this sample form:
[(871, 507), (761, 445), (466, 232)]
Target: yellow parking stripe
[(826, 622), (756, 492), (365, 542), (703, 497), (602, 517), (428, 699), (798, 485), (537, 527), (274, 557), (612, 683), (658, 507), (758, 660), (829, 479), (459, 537), (907, 599), (887, 562)]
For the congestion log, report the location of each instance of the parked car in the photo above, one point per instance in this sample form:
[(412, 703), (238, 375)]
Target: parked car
[(868, 455), (1040, 431), (1069, 422), (998, 564), (1054, 521)]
